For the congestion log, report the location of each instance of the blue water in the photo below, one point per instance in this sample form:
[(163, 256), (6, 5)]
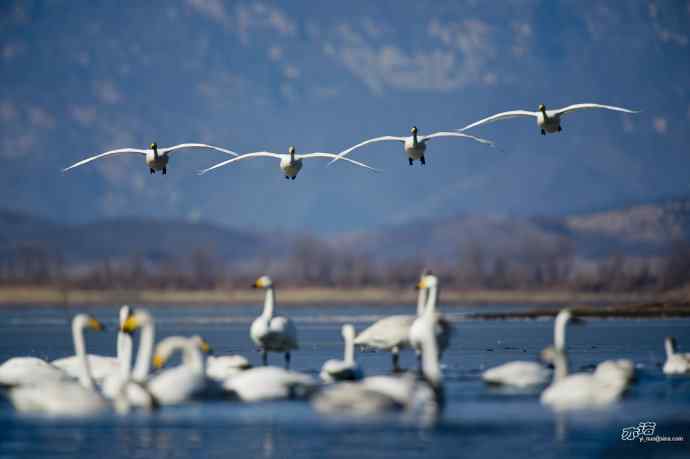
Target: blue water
[(477, 422)]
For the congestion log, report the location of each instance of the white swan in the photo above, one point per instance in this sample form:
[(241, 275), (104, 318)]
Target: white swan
[(65, 397), (102, 366), (579, 390), (19, 371), (414, 145), (184, 382), (549, 121), (346, 369), (429, 317), (156, 158), (272, 333), (269, 383), (422, 399), (290, 163), (392, 333), (621, 369), (222, 367), (676, 363)]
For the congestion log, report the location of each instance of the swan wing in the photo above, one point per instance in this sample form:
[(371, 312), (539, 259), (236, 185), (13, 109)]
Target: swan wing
[(103, 155), (456, 134), (257, 154), (576, 107), (387, 333), (385, 138), (331, 155), (498, 117), (181, 146)]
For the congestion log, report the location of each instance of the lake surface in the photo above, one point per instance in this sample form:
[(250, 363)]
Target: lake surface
[(477, 422)]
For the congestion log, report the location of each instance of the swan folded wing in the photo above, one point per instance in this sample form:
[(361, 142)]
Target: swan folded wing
[(102, 155), (385, 138), (282, 333), (387, 333), (258, 154), (196, 145), (331, 155), (499, 116), (456, 134), (575, 107)]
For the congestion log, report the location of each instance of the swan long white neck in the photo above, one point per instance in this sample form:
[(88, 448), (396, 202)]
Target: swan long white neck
[(192, 358), (559, 331), (670, 347), (432, 298), (269, 303), (85, 378), (560, 363), (421, 301), (430, 365), (348, 335), (143, 364), (124, 352)]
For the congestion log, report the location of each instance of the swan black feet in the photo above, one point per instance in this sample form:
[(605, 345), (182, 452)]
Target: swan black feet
[(411, 161), (293, 178), (422, 160), (287, 178), (165, 171), (543, 132), (559, 129), (264, 357), (287, 360), (151, 171)]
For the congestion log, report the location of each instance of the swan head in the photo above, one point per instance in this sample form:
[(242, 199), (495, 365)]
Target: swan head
[(549, 355), (137, 320), (348, 332), (427, 281), (153, 146), (125, 312), (291, 150), (263, 282), (541, 107), (670, 344), (202, 344), (84, 321), (413, 131)]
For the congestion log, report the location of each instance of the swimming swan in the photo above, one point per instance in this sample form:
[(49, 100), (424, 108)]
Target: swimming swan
[(579, 390), (429, 317), (676, 363), (272, 333), (420, 398), (346, 369), (549, 121), (290, 163), (184, 382), (269, 383), (222, 367), (156, 158), (103, 366), (65, 397), (414, 145), (18, 371)]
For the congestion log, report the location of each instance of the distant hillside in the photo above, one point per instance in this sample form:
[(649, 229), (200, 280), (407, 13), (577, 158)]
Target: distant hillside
[(640, 230)]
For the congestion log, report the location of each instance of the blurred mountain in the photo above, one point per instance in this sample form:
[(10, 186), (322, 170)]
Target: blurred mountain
[(643, 230)]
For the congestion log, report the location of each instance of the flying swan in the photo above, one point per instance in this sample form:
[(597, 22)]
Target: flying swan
[(414, 145), (549, 121), (156, 158), (290, 163)]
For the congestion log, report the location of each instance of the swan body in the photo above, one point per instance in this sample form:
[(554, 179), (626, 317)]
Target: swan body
[(156, 158), (269, 383), (517, 373), (102, 367), (20, 371), (391, 334), (64, 397), (414, 146), (375, 395), (223, 367), (676, 363), (620, 369), (184, 382), (442, 328), (549, 121), (346, 369), (290, 164), (579, 390), (272, 333)]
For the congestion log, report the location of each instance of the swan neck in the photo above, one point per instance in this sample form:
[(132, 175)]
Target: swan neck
[(349, 356), (269, 303), (430, 365), (85, 378), (421, 301), (414, 139), (124, 353), (192, 358), (143, 364), (560, 364), (559, 333), (155, 152), (670, 348), (432, 298)]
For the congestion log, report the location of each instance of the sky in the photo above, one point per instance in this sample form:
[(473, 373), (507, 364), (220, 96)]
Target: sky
[(80, 78)]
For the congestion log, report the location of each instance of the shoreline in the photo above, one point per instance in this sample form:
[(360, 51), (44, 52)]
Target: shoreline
[(50, 296)]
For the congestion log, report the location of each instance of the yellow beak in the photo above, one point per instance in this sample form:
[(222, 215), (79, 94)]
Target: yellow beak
[(96, 325), (130, 325), (158, 361)]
